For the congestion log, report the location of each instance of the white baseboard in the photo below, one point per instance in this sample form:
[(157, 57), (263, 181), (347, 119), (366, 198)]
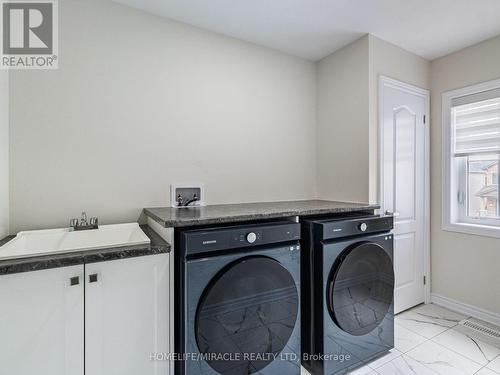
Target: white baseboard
[(465, 309)]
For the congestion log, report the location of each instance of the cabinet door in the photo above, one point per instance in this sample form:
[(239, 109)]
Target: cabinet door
[(126, 316), (41, 322)]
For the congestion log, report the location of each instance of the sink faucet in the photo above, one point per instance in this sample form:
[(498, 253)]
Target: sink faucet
[(83, 224), (83, 220), (180, 200)]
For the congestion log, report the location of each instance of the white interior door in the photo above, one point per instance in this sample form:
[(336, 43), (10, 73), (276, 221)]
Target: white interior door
[(403, 184)]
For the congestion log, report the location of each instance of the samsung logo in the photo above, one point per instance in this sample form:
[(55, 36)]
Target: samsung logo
[(337, 230), (209, 242)]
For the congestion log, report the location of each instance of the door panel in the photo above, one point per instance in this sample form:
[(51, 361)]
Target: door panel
[(41, 322), (404, 262), (403, 187), (405, 160), (126, 316)]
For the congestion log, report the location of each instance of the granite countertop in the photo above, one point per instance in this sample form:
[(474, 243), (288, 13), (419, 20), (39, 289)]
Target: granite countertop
[(157, 246), (227, 213)]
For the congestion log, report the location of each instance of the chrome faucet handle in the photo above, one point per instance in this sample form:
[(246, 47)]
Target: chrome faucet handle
[(73, 223), (180, 200), (94, 221), (83, 220)]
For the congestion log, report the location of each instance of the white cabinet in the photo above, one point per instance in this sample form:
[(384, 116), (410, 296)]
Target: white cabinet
[(41, 322), (127, 316), (113, 317)]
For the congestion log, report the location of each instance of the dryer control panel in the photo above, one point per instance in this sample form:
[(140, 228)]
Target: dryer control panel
[(333, 229)]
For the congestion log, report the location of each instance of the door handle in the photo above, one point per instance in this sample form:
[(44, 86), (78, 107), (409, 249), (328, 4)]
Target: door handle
[(395, 214), (93, 278)]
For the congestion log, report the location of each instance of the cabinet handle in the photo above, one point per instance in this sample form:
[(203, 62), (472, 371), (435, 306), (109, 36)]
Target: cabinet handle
[(93, 278), (74, 280)]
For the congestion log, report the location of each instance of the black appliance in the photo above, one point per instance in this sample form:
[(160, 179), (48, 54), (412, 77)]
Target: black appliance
[(237, 299), (347, 292)]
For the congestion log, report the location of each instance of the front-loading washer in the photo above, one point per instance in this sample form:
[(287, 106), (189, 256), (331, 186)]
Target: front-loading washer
[(238, 299), (347, 292)]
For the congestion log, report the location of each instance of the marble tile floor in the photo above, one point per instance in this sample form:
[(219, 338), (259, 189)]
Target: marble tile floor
[(427, 343)]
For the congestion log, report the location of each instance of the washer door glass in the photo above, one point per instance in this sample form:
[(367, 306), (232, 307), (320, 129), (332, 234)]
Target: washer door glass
[(246, 315), (361, 288)]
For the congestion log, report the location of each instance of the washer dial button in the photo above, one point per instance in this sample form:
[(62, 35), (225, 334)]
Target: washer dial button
[(251, 237), (363, 227)]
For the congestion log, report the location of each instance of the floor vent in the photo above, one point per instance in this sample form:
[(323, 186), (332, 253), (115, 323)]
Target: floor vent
[(483, 331)]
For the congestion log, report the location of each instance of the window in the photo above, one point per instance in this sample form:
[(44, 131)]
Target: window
[(480, 185), (471, 157)]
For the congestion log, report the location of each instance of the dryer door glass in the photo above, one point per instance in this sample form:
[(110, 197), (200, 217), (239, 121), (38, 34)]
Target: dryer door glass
[(246, 315), (361, 288)]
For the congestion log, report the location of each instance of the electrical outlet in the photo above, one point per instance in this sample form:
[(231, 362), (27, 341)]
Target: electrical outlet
[(191, 194)]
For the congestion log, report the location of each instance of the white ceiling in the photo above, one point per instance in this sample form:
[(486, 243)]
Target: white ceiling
[(313, 29)]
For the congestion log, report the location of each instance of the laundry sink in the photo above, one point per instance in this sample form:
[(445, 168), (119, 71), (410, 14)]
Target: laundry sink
[(55, 241)]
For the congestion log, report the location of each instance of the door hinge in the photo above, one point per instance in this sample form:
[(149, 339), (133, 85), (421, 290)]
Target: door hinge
[(425, 280)]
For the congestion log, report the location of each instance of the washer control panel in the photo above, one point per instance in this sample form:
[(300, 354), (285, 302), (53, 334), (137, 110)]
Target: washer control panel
[(247, 237), (251, 237), (204, 240)]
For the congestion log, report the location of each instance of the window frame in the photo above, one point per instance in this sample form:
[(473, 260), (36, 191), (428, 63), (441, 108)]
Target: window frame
[(454, 173)]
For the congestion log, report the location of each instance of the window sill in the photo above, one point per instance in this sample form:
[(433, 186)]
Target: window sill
[(474, 229)]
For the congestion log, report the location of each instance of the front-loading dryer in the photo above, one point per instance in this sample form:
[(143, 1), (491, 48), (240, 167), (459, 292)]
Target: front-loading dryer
[(238, 300), (347, 292)]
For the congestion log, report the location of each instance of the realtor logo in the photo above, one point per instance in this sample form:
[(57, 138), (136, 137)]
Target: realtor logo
[(29, 34)]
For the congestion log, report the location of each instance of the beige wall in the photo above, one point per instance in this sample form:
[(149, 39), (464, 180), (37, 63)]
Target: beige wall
[(394, 62), (140, 102), (4, 153), (348, 114), (464, 267), (342, 127)]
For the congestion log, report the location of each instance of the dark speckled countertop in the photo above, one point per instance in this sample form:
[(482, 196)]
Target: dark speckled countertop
[(227, 213), (157, 246)]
